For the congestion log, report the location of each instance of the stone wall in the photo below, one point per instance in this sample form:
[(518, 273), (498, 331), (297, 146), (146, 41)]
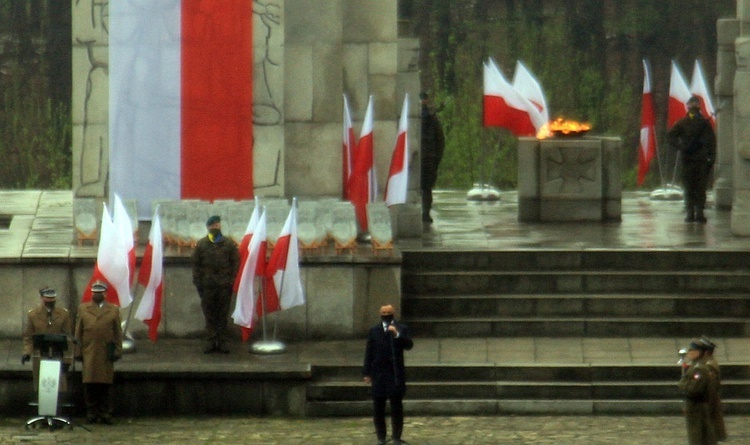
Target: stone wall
[(342, 297), (740, 221)]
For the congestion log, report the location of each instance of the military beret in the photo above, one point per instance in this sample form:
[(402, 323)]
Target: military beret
[(99, 287), (47, 292), (213, 220)]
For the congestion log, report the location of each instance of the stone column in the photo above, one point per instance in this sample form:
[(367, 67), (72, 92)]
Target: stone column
[(740, 220), (728, 30)]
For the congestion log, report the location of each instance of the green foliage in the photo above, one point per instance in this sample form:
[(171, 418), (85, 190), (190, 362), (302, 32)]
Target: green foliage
[(35, 142)]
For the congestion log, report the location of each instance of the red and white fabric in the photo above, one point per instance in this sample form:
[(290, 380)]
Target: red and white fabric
[(678, 96), (529, 87), (647, 146), (398, 175), (698, 87), (151, 276), (363, 183), (245, 309), (180, 98), (349, 141), (285, 290), (245, 242), (507, 108)]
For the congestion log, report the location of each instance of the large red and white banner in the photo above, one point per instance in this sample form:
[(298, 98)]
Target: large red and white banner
[(180, 91), (507, 108), (398, 175), (698, 87), (151, 276)]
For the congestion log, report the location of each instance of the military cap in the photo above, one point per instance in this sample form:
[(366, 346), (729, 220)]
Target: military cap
[(694, 100), (697, 344), (709, 345), (213, 220), (99, 286), (47, 292)]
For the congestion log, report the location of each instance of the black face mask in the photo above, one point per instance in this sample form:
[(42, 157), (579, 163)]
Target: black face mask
[(216, 233), (387, 319)]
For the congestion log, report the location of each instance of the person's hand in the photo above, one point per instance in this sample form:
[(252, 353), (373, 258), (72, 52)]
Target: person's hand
[(393, 330), (367, 379), (25, 359)]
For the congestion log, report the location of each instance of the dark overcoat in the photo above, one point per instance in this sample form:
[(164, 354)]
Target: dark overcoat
[(100, 334), (699, 386), (384, 360)]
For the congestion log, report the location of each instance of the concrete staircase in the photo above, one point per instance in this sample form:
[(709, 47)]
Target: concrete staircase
[(597, 293), (492, 389), (557, 294)]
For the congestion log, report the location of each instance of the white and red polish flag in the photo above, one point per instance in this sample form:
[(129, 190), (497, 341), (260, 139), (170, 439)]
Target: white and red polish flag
[(180, 99), (398, 175), (647, 147), (245, 308), (151, 277), (111, 265), (245, 242), (125, 234), (349, 141), (505, 107), (285, 288), (362, 183), (678, 96), (529, 87), (698, 87)]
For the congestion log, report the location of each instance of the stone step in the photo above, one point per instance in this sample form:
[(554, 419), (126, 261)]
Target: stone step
[(606, 327), (505, 407), (576, 281), (565, 259), (594, 305)]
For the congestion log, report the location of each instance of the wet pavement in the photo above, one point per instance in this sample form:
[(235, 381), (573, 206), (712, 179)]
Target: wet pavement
[(558, 430)]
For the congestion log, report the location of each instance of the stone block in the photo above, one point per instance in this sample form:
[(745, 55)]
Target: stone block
[(408, 56), (313, 21), (383, 87), (268, 82), (268, 160), (327, 83), (16, 301), (90, 157), (724, 84), (330, 296), (743, 15), (269, 20), (611, 167), (90, 88), (570, 169), (741, 134), (727, 31), (368, 21), (528, 167), (305, 142), (410, 83), (356, 79), (407, 220), (90, 21), (183, 316), (298, 83), (740, 219), (570, 209), (742, 52), (383, 58)]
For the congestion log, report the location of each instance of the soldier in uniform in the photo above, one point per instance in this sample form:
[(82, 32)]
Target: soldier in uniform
[(716, 410), (45, 319), (215, 263), (100, 334), (698, 382), (431, 153), (384, 370), (696, 140)]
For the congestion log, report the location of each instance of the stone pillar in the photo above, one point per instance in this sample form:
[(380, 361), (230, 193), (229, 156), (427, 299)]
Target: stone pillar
[(728, 30), (740, 220)]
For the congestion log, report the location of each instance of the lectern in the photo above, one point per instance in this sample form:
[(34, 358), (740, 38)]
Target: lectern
[(52, 348)]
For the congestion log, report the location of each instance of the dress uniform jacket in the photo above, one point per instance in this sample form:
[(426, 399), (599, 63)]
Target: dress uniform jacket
[(99, 331), (388, 377), (716, 409), (39, 321), (699, 385)]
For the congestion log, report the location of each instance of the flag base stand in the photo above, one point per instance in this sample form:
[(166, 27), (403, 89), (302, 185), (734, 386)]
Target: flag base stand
[(268, 347), (483, 192), (364, 238), (669, 192)]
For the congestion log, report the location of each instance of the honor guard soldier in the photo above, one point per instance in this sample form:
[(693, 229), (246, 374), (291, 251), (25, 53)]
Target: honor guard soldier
[(47, 318), (699, 385), (716, 409)]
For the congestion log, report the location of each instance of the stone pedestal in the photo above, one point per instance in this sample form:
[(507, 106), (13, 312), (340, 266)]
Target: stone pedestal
[(569, 179)]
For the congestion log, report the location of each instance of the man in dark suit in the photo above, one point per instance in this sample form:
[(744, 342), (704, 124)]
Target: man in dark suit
[(384, 370)]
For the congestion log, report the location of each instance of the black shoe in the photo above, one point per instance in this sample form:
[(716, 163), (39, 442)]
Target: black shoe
[(690, 218), (221, 348), (701, 218), (91, 420), (106, 420), (381, 441), (210, 349), (427, 219)]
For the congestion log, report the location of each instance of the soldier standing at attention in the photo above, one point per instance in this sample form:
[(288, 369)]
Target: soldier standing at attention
[(716, 410), (215, 263), (699, 385), (100, 334)]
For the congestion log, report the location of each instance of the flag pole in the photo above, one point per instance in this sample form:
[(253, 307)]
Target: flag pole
[(266, 346), (128, 342)]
